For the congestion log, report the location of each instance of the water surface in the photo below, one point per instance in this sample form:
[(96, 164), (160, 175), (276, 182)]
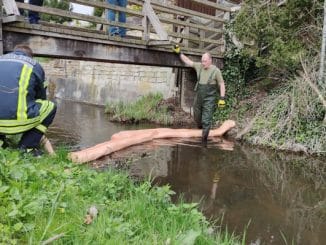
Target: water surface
[(278, 196)]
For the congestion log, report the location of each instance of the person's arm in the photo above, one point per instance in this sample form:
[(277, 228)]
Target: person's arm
[(222, 89), (221, 83), (186, 60), (221, 101)]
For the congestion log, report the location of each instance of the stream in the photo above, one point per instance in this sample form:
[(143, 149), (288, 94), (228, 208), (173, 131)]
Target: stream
[(275, 197)]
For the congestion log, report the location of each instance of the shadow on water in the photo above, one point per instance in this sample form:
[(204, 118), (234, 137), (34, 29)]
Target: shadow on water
[(281, 194)]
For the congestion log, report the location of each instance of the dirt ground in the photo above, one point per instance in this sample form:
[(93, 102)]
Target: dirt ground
[(179, 117)]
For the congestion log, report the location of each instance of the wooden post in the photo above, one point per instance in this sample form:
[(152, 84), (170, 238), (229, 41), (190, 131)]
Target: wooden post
[(202, 36), (186, 32), (227, 17), (145, 23), (151, 18)]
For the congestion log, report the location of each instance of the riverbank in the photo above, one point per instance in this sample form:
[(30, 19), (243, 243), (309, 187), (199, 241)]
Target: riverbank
[(50, 199), (281, 119), (151, 108), (249, 115)]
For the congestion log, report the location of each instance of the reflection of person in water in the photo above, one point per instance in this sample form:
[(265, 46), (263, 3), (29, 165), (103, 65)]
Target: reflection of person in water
[(216, 179)]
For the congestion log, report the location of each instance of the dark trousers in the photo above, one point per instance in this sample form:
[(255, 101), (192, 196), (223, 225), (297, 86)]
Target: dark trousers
[(32, 15), (204, 108), (32, 138)]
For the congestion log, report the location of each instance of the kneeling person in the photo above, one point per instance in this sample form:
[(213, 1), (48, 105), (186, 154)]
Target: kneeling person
[(23, 105)]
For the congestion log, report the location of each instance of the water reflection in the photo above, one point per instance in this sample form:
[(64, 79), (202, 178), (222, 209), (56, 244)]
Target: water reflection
[(78, 125), (262, 187), (281, 194)]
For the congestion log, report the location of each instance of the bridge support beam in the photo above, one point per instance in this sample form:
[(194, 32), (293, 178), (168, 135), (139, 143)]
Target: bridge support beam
[(81, 48), (57, 47)]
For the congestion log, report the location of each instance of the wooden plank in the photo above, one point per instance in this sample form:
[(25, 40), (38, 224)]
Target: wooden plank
[(214, 5), (63, 13), (183, 23), (100, 20), (187, 31), (86, 32), (10, 7), (154, 20), (173, 9), (146, 26), (64, 26), (58, 47), (12, 18), (92, 3), (158, 43), (204, 40), (62, 33), (51, 31)]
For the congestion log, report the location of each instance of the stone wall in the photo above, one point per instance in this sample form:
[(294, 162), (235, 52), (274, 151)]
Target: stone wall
[(102, 83)]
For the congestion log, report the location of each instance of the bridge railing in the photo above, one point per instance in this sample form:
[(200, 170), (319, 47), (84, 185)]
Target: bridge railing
[(152, 23)]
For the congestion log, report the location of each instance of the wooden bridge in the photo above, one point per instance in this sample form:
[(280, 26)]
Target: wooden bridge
[(153, 27)]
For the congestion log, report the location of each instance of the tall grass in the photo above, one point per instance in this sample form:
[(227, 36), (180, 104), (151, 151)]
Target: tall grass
[(147, 108), (293, 118), (47, 199)]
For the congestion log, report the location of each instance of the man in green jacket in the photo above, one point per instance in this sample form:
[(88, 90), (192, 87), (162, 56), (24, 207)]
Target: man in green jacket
[(209, 80)]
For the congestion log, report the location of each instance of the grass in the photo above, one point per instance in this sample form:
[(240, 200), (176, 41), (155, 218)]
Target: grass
[(147, 109), (292, 117), (47, 199)]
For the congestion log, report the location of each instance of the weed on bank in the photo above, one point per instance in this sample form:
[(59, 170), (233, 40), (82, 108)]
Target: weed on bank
[(47, 200)]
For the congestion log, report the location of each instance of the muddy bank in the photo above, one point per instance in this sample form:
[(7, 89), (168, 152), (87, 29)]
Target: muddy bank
[(177, 116)]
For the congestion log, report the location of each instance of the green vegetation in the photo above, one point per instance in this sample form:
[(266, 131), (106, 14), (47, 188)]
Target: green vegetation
[(43, 59), (59, 4), (281, 43), (236, 72), (280, 34), (147, 108), (48, 198), (292, 118)]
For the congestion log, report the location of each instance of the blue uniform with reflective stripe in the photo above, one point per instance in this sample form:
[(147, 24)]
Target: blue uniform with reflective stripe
[(30, 74), (23, 103)]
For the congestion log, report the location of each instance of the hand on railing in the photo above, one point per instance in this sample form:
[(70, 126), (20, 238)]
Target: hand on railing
[(176, 49)]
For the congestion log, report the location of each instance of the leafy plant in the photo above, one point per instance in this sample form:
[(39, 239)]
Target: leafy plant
[(59, 4), (279, 34)]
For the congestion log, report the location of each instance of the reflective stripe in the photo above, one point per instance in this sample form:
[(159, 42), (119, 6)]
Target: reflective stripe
[(46, 108), (16, 129), (18, 58), (14, 122), (15, 126), (41, 128), (22, 95)]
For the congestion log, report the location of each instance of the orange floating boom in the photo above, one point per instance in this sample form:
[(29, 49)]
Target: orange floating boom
[(125, 139)]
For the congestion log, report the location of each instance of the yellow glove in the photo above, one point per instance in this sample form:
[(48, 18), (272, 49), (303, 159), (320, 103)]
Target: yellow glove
[(176, 49), (221, 103)]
